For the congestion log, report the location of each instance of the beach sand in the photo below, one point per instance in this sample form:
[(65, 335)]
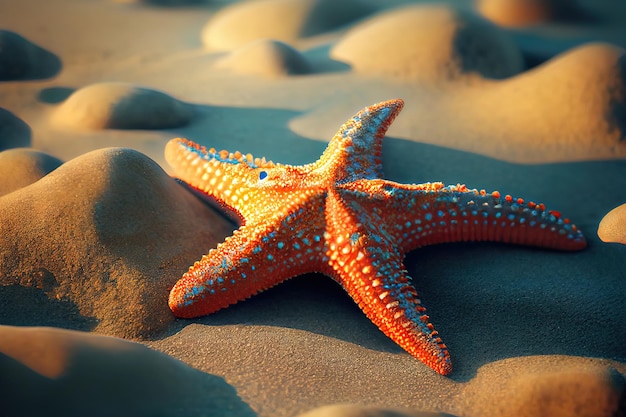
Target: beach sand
[(524, 97)]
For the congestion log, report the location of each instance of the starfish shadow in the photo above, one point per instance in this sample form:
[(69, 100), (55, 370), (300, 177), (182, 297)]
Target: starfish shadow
[(314, 303)]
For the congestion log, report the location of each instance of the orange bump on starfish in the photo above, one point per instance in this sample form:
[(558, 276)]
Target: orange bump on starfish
[(338, 216)]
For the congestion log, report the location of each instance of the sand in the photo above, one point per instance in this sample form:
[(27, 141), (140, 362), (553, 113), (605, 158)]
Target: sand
[(612, 228), (99, 235), (121, 106), (14, 133), (266, 58), (20, 167), (283, 20), (455, 42), (22, 59), (54, 370), (528, 100)]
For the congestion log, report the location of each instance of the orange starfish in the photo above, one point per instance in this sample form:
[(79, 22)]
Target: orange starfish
[(339, 217)]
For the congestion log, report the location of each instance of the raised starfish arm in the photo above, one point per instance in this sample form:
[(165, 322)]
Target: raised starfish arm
[(231, 178), (355, 151)]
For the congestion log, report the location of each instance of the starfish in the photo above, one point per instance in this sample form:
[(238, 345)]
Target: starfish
[(339, 217)]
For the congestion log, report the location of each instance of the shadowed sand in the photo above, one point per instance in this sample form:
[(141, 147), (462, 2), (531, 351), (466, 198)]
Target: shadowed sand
[(14, 133), (59, 372), (94, 233), (21, 59)]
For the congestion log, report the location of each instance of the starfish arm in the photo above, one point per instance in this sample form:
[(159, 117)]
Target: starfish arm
[(365, 263), (379, 284), (230, 178), (356, 149), (253, 259), (432, 213)]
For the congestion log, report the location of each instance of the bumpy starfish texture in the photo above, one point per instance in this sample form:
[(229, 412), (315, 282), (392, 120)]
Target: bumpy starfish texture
[(339, 217)]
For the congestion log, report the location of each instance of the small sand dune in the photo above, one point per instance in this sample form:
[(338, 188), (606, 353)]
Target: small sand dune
[(21, 167), (558, 386), (570, 108), (14, 132), (167, 3), (266, 58), (283, 20), (613, 226), (21, 59), (103, 228), (429, 43), (113, 105)]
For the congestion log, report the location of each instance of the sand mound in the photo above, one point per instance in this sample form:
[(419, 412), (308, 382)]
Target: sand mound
[(106, 234), (55, 372), (283, 20), (346, 410), (518, 13), (22, 167), (121, 106), (613, 226), (165, 3), (573, 107), (546, 386), (267, 58), (21, 59), (428, 42), (14, 133)]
